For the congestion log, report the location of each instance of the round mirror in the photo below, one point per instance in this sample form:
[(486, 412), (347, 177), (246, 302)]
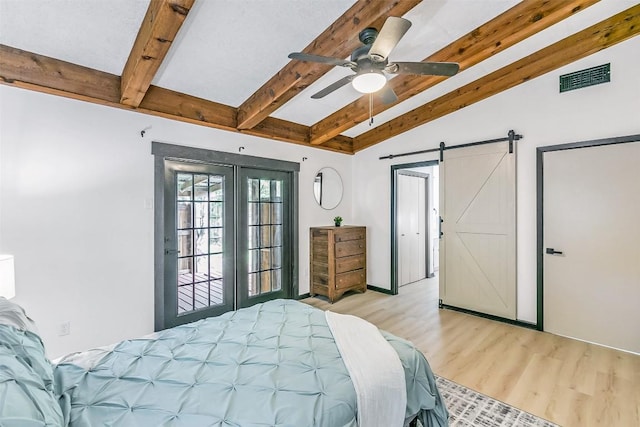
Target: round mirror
[(327, 188)]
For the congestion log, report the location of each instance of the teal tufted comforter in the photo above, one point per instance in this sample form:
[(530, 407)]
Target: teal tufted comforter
[(27, 397), (273, 364)]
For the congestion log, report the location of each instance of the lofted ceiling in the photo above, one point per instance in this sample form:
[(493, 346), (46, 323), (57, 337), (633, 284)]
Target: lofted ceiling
[(223, 63)]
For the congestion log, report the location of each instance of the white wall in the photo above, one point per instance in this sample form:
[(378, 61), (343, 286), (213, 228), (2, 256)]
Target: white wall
[(534, 109), (76, 190)]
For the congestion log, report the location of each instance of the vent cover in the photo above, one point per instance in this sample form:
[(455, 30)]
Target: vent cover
[(584, 78)]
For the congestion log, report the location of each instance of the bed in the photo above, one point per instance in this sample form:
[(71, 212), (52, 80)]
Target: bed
[(273, 364)]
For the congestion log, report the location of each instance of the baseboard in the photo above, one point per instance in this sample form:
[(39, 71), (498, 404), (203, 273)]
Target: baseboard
[(370, 287), (492, 317), (381, 290)]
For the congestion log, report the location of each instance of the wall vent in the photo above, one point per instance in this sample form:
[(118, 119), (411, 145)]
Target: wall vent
[(589, 77)]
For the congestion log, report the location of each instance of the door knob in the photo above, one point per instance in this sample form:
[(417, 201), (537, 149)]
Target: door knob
[(552, 251)]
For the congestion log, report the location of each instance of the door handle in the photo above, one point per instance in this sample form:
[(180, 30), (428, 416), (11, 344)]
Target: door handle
[(171, 251), (552, 251)]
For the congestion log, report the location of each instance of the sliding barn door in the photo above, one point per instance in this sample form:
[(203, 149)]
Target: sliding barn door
[(591, 203), (478, 246)]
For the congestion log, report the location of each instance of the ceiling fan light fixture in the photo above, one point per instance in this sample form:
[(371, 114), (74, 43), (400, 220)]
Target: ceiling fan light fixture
[(369, 81)]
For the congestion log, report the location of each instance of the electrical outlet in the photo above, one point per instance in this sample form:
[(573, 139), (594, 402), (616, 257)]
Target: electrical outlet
[(64, 328)]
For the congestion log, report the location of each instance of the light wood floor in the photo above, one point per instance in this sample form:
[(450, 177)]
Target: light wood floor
[(569, 382)]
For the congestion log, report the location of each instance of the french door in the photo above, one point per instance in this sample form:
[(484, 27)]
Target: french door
[(227, 239), (263, 246), (199, 275)]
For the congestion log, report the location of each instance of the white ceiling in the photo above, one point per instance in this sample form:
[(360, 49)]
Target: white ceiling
[(227, 49), (95, 33)]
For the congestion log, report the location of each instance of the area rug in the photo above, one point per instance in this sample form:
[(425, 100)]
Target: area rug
[(469, 408)]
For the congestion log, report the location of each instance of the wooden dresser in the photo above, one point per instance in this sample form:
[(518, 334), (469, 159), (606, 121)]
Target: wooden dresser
[(338, 260)]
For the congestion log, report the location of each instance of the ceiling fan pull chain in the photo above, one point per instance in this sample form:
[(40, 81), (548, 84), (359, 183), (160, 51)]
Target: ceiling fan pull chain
[(370, 109)]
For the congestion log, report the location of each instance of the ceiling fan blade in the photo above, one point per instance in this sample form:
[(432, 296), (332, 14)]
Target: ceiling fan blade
[(388, 37), (425, 68), (300, 56), (387, 95), (333, 86)]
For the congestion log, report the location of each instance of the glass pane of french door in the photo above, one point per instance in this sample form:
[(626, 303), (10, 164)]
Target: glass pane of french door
[(199, 236), (264, 236)]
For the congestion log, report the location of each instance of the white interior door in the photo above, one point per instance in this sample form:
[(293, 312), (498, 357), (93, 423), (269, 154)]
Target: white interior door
[(591, 211), (478, 247)]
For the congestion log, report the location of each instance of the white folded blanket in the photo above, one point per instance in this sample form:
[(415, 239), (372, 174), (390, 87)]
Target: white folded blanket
[(375, 369)]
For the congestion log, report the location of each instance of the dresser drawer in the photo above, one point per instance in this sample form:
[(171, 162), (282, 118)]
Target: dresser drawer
[(350, 263), (345, 235), (351, 247), (350, 279)]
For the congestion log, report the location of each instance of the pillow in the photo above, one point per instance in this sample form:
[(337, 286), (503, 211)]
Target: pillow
[(14, 315), (27, 395)]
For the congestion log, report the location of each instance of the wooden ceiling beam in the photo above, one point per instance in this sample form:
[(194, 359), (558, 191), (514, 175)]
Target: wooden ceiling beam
[(602, 35), (186, 108), (283, 130), (31, 71), (43, 74), (157, 32), (339, 40), (516, 24)]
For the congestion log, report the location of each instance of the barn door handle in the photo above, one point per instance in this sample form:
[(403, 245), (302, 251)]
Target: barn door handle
[(552, 251), (440, 233)]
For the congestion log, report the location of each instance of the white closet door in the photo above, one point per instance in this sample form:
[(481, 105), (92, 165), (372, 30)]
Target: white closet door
[(478, 248), (419, 270), (434, 213), (411, 229), (404, 229), (591, 211)]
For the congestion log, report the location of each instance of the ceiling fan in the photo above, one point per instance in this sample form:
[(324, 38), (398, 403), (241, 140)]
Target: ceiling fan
[(370, 62)]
